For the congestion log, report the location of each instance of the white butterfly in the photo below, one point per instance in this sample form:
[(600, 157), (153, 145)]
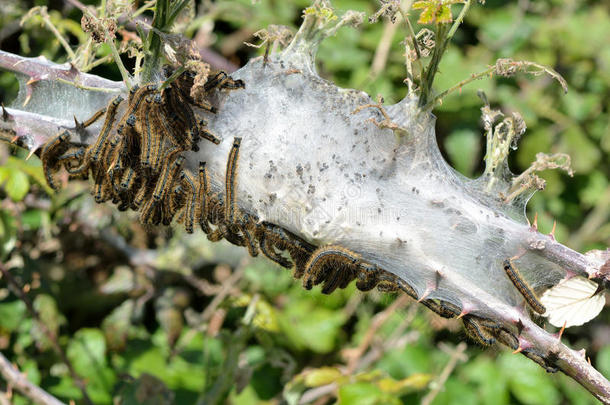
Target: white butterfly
[(573, 302)]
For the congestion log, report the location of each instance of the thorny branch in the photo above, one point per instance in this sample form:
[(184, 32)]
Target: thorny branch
[(569, 361), (17, 380)]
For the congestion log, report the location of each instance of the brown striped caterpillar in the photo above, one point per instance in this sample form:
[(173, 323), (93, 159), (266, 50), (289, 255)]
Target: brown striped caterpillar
[(477, 331), (333, 265), (96, 151), (230, 179), (91, 120), (190, 213), (49, 156), (526, 291)]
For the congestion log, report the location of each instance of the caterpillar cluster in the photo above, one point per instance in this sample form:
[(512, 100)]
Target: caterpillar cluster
[(136, 162)]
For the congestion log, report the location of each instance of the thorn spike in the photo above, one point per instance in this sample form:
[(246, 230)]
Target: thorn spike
[(424, 295), (535, 224), (561, 330), (519, 326)]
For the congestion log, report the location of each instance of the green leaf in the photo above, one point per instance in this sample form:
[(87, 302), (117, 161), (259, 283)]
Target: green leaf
[(117, 324), (143, 358), (34, 219), (5, 172), (8, 233), (455, 67), (30, 369), (492, 384), (403, 363), (87, 349), (307, 326), (265, 316), (594, 190), (46, 307), (170, 319), (87, 353), (415, 382), (603, 361), (456, 392), (11, 315), (123, 280), (364, 394), (65, 388), (15, 183), (31, 167), (464, 148), (581, 106), (528, 382), (575, 393), (584, 153)]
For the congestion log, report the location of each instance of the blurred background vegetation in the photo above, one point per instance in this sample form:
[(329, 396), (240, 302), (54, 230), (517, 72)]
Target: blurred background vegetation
[(155, 316)]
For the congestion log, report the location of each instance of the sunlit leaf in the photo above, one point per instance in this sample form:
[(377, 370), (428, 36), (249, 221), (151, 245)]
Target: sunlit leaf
[(412, 383), (435, 11), (15, 183), (322, 376)]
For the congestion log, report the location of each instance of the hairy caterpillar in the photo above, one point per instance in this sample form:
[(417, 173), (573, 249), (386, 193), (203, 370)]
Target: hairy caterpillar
[(526, 291)]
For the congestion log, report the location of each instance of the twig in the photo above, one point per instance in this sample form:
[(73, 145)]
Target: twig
[(443, 37), (383, 48), (472, 78), (227, 286), (317, 392), (456, 355), (117, 59), (376, 323), (404, 12), (506, 68), (42, 68), (217, 393), (458, 21), (45, 329), (18, 380), (428, 76), (47, 21), (398, 339)]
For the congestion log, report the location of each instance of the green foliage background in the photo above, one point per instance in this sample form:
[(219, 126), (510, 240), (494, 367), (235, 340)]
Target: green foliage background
[(133, 323)]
